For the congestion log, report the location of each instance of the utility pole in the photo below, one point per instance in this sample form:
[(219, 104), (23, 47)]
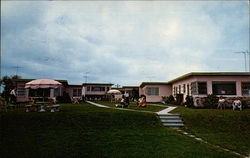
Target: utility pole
[(17, 67), (117, 85), (245, 57), (86, 76)]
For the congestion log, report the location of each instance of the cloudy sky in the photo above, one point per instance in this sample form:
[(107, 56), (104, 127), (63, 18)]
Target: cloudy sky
[(123, 42)]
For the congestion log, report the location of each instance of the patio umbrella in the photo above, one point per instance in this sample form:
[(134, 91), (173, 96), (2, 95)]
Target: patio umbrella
[(42, 83), (114, 91)]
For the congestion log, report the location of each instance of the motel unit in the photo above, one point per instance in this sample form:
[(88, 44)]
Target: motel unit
[(199, 85)]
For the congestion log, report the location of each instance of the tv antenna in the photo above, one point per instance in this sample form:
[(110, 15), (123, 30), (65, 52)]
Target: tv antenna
[(117, 86), (17, 67), (245, 57), (86, 76)]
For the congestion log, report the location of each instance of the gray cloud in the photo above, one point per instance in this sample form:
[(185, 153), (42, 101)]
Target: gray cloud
[(121, 42)]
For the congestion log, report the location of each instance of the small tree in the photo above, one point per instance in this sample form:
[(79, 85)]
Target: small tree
[(189, 101), (211, 101), (9, 83)]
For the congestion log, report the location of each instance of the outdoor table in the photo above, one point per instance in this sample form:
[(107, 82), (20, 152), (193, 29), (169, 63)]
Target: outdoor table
[(42, 106), (29, 106), (54, 108)]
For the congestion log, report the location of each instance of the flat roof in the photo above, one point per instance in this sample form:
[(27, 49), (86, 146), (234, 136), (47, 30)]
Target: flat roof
[(74, 85), (209, 74), (130, 86), (153, 83), (97, 84)]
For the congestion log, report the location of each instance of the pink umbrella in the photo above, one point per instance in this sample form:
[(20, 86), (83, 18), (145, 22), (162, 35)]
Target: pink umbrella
[(114, 91), (42, 83)]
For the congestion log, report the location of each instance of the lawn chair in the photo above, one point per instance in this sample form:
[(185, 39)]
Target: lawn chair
[(52, 105), (237, 104), (75, 100), (31, 103)]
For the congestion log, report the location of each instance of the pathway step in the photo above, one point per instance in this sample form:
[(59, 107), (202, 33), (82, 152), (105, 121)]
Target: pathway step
[(169, 116), (171, 120), (173, 124), (176, 121)]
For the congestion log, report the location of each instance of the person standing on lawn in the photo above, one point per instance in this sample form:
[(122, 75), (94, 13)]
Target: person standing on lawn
[(221, 103), (13, 96), (126, 95)]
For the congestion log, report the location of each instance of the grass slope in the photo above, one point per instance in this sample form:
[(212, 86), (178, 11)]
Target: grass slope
[(227, 128), (87, 131)]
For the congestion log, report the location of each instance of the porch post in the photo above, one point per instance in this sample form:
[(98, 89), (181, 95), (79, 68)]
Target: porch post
[(209, 87), (52, 91), (238, 88)]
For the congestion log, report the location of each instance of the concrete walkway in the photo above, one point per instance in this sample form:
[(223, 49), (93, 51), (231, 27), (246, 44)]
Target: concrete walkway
[(125, 109), (98, 105), (166, 111), (162, 112)]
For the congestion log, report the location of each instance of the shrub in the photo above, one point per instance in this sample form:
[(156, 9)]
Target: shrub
[(168, 100), (211, 101), (189, 101)]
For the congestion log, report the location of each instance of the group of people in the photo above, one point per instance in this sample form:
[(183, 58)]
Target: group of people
[(236, 103), (124, 103)]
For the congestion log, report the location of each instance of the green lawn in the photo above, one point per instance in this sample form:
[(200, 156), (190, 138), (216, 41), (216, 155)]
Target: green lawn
[(84, 130), (133, 106), (227, 128)]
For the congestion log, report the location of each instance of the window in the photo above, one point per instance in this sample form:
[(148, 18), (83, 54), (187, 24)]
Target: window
[(97, 89), (198, 88), (40, 92), (187, 89), (179, 89), (224, 88), (194, 88), (184, 88), (152, 91), (77, 92), (57, 92), (88, 88), (245, 86), (20, 91), (202, 87)]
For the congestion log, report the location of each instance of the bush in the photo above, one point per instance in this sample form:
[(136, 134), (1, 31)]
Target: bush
[(168, 100), (211, 101), (189, 101)]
